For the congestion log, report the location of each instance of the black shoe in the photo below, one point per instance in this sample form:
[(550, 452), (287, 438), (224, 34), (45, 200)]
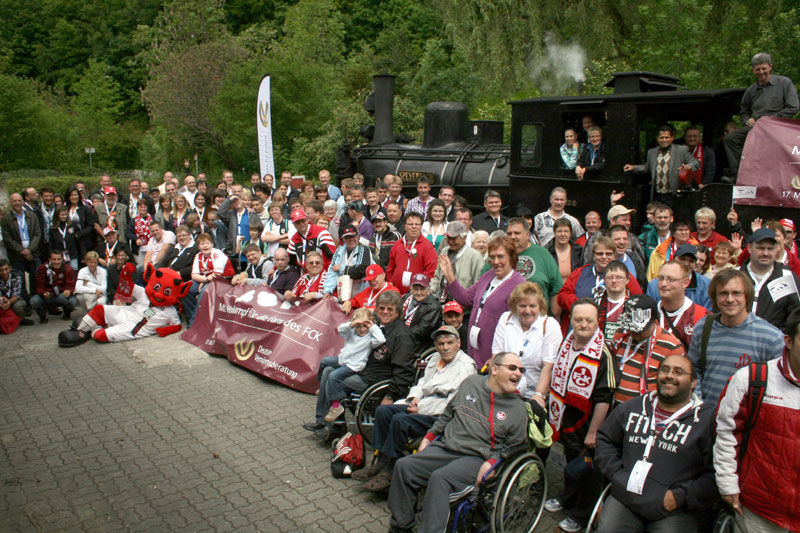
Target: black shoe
[(313, 426), (26, 322), (67, 313), (42, 319)]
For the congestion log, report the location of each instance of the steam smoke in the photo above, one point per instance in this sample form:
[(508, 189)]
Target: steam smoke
[(560, 68)]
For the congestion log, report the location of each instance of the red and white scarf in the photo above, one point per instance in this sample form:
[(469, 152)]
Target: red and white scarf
[(574, 378), (141, 227), (696, 176)]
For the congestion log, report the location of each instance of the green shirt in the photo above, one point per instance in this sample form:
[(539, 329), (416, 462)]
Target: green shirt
[(537, 265)]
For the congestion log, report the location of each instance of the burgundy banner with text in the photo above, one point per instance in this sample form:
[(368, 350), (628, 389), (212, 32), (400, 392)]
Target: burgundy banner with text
[(253, 328), (769, 174)]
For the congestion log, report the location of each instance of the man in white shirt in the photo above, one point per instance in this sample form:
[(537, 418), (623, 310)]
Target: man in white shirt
[(161, 241), (543, 222), (190, 183)]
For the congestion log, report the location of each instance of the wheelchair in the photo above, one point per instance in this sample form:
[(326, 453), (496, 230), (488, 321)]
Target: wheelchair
[(510, 501), (725, 521), (364, 405)]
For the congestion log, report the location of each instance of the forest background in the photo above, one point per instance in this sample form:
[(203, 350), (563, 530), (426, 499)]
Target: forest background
[(149, 83)]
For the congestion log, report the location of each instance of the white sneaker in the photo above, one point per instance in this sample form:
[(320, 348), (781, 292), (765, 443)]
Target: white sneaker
[(553, 505), (569, 525)]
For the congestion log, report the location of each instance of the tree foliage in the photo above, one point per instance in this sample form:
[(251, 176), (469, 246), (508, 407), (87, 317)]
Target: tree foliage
[(150, 82)]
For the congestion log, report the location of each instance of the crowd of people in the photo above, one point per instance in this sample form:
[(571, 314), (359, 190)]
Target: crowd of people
[(640, 343)]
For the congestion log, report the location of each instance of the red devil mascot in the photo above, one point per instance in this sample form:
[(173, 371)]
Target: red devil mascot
[(153, 311)]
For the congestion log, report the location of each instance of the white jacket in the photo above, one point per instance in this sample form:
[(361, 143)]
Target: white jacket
[(88, 283), (436, 388)]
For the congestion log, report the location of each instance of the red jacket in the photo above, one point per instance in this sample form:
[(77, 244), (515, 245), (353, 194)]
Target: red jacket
[(768, 478), (361, 299), (579, 281), (419, 258), (63, 278), (710, 243)]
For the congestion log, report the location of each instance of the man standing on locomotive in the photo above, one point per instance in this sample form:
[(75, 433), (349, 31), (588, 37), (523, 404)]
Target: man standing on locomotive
[(665, 163), (771, 95)]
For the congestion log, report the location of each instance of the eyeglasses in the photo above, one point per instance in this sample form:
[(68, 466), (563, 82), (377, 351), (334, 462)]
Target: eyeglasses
[(727, 294), (666, 371), (615, 278), (313, 262), (512, 368), (669, 279), (605, 254)]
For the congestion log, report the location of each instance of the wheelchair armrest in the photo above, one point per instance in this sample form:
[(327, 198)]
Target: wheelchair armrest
[(512, 452)]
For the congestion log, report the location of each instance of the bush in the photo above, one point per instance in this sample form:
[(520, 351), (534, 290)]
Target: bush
[(59, 184)]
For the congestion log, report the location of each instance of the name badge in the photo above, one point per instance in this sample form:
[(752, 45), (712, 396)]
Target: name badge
[(474, 331), (638, 476), (406, 279)]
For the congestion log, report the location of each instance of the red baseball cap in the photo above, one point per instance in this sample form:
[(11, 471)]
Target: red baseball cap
[(109, 190), (298, 215), (787, 223), (373, 271), (453, 307)]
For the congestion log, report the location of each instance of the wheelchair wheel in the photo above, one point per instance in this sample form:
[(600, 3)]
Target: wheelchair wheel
[(422, 362), (520, 495), (725, 523), (365, 409), (598, 508)]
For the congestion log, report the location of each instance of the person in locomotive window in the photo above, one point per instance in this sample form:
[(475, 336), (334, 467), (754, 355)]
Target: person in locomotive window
[(543, 222), (771, 95), (570, 150), (705, 154), (697, 290), (420, 203), (587, 123), (491, 219), (665, 164), (565, 252), (593, 155)]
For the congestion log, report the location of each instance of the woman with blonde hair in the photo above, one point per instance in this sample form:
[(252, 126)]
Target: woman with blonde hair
[(526, 329), (90, 286)]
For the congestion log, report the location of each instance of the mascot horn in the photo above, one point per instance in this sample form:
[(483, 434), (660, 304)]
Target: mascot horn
[(153, 311)]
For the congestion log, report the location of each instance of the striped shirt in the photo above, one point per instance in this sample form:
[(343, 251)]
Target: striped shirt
[(630, 356), (729, 349)]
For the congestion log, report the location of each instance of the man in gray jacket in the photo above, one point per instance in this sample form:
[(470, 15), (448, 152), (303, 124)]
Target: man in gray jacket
[(485, 418), (664, 164), (411, 417), (466, 260)]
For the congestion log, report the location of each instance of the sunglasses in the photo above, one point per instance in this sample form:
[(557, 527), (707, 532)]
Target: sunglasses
[(513, 368)]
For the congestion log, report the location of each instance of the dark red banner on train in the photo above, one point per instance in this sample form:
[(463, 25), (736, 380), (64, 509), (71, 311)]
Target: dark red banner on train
[(769, 174)]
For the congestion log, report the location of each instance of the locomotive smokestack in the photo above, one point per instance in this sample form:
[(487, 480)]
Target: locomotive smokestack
[(383, 88)]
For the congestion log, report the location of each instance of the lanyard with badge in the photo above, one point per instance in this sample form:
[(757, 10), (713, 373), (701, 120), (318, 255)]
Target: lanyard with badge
[(475, 331), (410, 252), (65, 251), (642, 467)]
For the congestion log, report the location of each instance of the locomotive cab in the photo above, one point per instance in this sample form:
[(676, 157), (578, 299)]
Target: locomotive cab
[(629, 118)]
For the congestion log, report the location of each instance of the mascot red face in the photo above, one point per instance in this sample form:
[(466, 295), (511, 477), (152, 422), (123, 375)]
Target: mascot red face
[(164, 286)]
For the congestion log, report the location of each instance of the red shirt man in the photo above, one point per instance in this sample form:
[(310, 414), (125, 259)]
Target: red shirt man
[(413, 254)]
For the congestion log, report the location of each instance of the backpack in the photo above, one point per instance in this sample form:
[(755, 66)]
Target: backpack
[(347, 455), (756, 390)]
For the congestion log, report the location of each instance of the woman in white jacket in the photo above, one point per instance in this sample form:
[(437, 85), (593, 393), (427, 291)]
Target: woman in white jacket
[(90, 287), (528, 331)]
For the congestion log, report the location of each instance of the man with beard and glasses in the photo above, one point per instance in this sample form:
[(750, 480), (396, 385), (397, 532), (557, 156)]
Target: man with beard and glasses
[(656, 451)]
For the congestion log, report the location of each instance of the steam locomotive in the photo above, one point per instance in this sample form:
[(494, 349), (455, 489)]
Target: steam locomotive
[(471, 156)]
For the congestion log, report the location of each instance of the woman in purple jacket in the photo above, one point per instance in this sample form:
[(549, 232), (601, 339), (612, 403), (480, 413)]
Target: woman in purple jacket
[(488, 297)]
